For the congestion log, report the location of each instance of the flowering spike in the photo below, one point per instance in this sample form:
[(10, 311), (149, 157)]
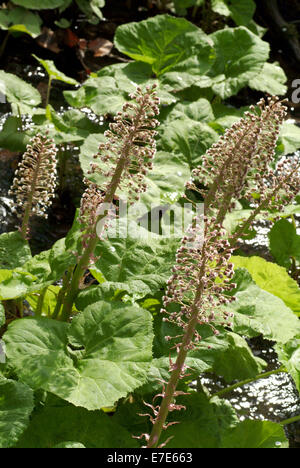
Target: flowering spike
[(239, 162), (237, 166), (35, 179), (122, 162), (130, 141)]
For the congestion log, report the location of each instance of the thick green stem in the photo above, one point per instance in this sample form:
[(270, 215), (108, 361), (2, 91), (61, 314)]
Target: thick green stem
[(290, 420), (62, 293), (77, 275), (40, 302), (108, 199), (247, 381)]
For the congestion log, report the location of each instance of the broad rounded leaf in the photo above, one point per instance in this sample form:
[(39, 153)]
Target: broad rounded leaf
[(90, 429), (178, 43), (270, 80), (187, 138), (20, 19), (227, 354), (271, 278), (10, 136), (14, 250), (284, 242), (241, 11), (101, 94), (289, 137), (259, 312), (15, 284), (255, 434), (289, 355), (236, 66), (102, 356), (140, 265), (202, 424), (19, 93), (38, 5), (16, 405)]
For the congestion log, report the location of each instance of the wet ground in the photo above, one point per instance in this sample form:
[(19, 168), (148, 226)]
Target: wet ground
[(274, 398)]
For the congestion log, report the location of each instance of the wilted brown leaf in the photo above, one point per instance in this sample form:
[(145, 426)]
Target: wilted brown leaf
[(100, 46)]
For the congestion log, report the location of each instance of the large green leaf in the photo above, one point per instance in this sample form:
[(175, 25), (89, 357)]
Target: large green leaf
[(37, 272), (14, 250), (284, 242), (16, 405), (10, 136), (137, 261), (203, 423), (212, 424), (101, 94), (92, 429), (270, 80), (22, 20), (236, 66), (166, 181), (271, 278), (255, 434), (259, 312), (106, 92), (21, 95), (102, 356), (91, 8), (241, 11), (289, 355), (229, 356), (166, 43), (128, 76), (37, 5), (289, 137), (187, 138), (15, 284), (200, 111), (71, 126)]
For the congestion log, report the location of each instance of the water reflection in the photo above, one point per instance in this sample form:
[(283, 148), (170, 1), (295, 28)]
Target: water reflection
[(274, 398)]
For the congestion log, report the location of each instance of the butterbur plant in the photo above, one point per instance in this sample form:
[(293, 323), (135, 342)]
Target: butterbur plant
[(236, 167), (35, 180), (199, 283), (162, 311), (122, 162)]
